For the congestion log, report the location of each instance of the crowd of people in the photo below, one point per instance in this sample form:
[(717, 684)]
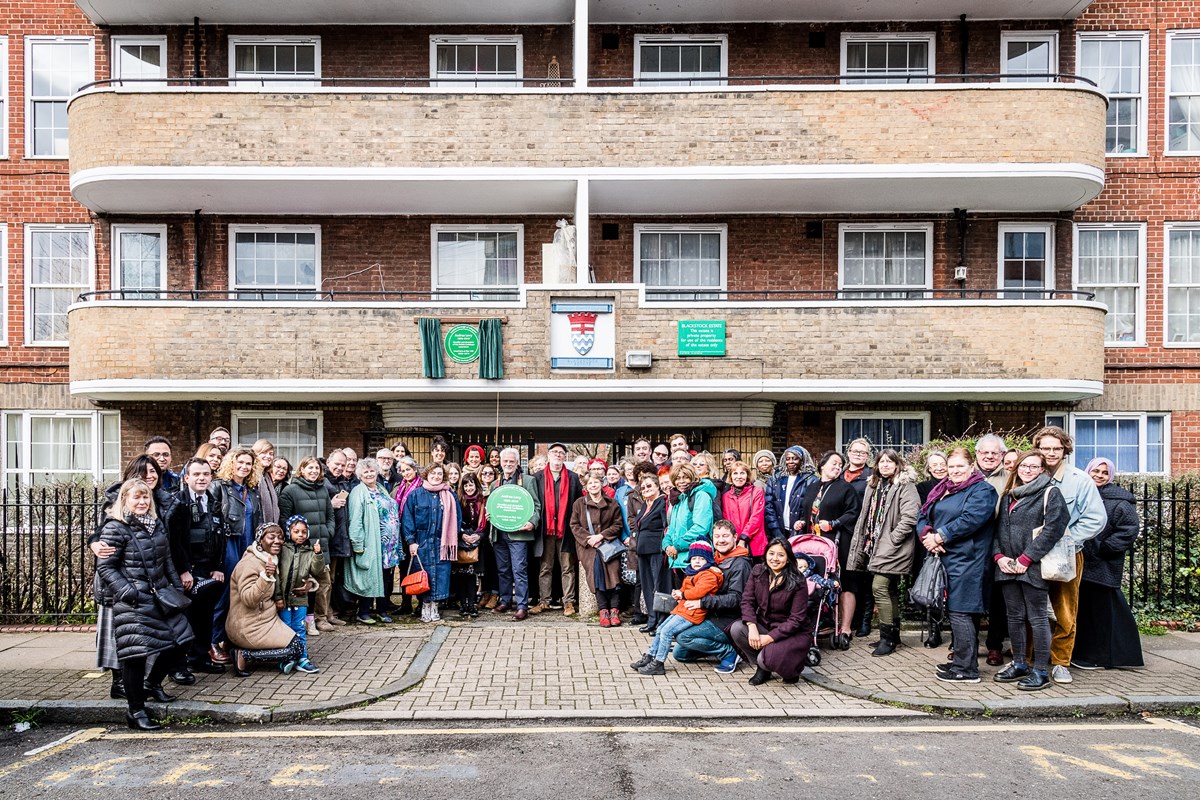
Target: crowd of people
[(242, 557)]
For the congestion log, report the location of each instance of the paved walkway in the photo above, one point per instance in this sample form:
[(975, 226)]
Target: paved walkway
[(549, 667)]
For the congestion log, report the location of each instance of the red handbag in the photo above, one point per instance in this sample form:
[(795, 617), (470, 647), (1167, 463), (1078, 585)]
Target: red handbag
[(415, 582)]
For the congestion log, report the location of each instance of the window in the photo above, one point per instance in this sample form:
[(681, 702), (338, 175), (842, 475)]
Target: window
[(1110, 262), (1026, 260), (1135, 442), (55, 68), (285, 62), (471, 258), (295, 434), (140, 59), (3, 104), (3, 284), (489, 62), (680, 60), (139, 260), (885, 261), (1183, 285), (1028, 57), (42, 447), (690, 258), (1183, 92), (275, 262), (59, 264), (887, 57), (900, 430), (1117, 63)]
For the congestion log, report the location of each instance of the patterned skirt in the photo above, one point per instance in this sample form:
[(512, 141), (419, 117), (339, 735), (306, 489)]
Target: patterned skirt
[(106, 640)]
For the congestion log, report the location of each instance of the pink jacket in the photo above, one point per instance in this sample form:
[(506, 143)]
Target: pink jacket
[(746, 511)]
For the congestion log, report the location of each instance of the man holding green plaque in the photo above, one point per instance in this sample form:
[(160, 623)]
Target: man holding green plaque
[(512, 546)]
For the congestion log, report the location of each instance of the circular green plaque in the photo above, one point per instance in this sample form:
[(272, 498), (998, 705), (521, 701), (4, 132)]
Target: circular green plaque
[(462, 344), (510, 507)]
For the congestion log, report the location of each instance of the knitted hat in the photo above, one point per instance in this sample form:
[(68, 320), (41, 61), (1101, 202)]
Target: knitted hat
[(477, 449), (702, 549), (765, 454), (292, 520), (263, 529)]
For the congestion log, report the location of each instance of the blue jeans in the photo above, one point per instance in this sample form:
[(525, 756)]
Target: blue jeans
[(660, 645), (512, 567), (699, 641), (294, 619)]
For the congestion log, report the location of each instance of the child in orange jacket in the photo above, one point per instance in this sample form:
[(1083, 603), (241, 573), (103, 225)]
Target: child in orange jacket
[(703, 578)]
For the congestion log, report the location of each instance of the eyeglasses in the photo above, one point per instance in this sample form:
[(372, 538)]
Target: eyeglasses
[(1052, 449), (663, 453), (1030, 467)]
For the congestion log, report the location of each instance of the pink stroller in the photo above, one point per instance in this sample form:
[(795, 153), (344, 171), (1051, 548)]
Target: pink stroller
[(822, 556)]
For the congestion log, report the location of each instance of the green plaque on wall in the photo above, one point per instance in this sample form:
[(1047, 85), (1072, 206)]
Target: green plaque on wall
[(701, 337), (462, 344)]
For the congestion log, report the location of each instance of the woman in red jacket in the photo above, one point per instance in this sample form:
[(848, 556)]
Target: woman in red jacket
[(744, 504)]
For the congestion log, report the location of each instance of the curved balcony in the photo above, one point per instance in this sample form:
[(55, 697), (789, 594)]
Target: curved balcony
[(746, 149), (920, 349)]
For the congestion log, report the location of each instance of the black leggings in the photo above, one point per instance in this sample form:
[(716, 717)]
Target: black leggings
[(608, 598), (133, 673), (293, 652)]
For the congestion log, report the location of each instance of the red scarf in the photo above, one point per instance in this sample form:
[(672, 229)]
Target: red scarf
[(556, 508)]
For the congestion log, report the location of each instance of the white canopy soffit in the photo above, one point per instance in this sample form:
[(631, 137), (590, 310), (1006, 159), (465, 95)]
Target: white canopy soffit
[(884, 188), (463, 12)]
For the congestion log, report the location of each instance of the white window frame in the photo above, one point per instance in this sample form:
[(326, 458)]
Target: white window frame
[(270, 413), (482, 289), (1140, 306), (1074, 416), (496, 84), (3, 284), (1143, 95), (647, 38), (30, 42), (1172, 37), (276, 84), (1045, 228), (30, 230), (97, 418), (115, 247), (722, 230), (234, 230), (901, 79), (4, 104), (840, 416), (1166, 276), (924, 227), (1007, 37), (118, 42)]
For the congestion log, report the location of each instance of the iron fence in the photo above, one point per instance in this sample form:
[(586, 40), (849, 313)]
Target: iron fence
[(45, 566), (1163, 570)]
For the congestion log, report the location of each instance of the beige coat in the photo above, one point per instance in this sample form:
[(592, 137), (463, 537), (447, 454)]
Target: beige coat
[(896, 538), (253, 622)]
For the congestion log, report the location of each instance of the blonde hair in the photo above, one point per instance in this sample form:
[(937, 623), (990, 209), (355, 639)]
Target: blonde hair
[(710, 461), (262, 446), (128, 488), (225, 473)]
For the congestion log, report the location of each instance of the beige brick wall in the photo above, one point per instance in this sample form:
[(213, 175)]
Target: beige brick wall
[(951, 125), (343, 341)]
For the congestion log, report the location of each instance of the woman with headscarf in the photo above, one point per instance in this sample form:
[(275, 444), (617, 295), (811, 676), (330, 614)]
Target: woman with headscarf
[(765, 465), (784, 512), (430, 526), (1106, 635)]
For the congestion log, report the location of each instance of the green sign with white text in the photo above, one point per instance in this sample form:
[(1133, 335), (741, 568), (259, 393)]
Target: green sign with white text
[(701, 337), (462, 344)]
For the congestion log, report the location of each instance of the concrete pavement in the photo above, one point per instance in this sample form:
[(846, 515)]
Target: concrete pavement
[(554, 668)]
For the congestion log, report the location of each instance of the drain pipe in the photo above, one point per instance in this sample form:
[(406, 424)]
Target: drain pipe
[(964, 44), (197, 254), (196, 48), (960, 271)]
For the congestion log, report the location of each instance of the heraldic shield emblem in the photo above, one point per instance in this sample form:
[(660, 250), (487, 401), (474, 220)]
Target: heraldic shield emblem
[(583, 331)]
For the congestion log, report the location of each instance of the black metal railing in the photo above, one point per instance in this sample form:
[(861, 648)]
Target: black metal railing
[(715, 82), (825, 295), (45, 566), (498, 294), (1163, 571)]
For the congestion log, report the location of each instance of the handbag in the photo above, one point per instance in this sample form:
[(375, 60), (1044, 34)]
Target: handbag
[(168, 599), (1059, 563), (629, 573), (929, 589), (415, 582), (470, 556), (203, 586), (609, 548), (664, 603)]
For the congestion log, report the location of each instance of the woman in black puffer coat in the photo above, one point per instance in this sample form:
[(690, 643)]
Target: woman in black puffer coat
[(138, 566), (1106, 633)]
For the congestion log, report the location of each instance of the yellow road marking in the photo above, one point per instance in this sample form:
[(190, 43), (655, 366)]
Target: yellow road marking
[(175, 776), (81, 737), (1147, 758), (1041, 758), (287, 775), (1175, 725), (100, 771)]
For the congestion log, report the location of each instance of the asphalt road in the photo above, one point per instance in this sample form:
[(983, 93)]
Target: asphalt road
[(934, 758)]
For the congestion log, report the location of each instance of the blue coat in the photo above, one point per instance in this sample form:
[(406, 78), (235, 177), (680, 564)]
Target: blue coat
[(422, 523), (773, 513), (965, 520)]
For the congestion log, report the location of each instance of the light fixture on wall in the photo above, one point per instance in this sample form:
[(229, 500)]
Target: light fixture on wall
[(638, 359)]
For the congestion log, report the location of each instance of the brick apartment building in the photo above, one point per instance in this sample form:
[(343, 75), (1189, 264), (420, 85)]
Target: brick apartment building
[(792, 222)]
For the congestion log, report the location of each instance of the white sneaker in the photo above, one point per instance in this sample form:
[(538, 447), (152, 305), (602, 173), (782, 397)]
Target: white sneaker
[(434, 614), (426, 615), (1060, 674), (310, 627)]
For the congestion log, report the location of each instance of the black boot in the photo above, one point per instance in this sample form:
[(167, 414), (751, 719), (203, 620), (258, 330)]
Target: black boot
[(864, 626), (157, 693), (140, 721), (760, 677), (117, 690), (889, 640)]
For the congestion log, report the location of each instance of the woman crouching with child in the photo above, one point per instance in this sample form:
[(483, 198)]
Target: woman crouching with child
[(703, 578)]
